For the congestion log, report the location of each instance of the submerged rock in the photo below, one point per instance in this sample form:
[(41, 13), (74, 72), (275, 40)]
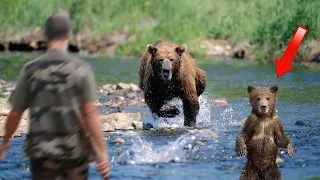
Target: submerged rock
[(199, 143), (207, 132), (301, 123), (147, 126), (120, 141)]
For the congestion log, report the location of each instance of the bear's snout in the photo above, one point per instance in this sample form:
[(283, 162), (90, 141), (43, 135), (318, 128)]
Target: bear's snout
[(166, 70), (264, 108)]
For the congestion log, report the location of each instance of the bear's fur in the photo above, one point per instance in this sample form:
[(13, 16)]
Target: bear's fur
[(261, 136), (166, 71)]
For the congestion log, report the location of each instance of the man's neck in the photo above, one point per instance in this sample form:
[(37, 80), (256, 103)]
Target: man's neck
[(57, 45)]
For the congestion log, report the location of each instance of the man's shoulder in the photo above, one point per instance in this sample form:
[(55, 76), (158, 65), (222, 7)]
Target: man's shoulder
[(46, 60)]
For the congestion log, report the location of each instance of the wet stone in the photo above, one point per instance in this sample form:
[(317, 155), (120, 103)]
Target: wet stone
[(301, 123), (147, 126)]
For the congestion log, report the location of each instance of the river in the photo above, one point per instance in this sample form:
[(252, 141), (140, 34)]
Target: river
[(145, 156)]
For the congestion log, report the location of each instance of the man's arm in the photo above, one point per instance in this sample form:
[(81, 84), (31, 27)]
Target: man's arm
[(19, 103), (11, 126), (93, 124)]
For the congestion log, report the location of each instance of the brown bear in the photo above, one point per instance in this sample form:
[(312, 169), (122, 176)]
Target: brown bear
[(261, 136), (167, 71)]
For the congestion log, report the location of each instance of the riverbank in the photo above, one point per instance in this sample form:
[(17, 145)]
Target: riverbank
[(251, 30), (109, 44)]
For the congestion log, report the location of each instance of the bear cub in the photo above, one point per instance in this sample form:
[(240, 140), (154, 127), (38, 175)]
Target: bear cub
[(261, 136)]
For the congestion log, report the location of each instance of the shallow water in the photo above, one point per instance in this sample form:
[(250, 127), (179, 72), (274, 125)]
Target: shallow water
[(145, 156)]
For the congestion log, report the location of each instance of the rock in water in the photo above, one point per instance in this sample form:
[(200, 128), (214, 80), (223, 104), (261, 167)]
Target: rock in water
[(4, 112), (221, 102), (147, 126), (123, 86), (138, 125), (106, 127), (301, 123), (199, 143), (120, 141), (121, 121)]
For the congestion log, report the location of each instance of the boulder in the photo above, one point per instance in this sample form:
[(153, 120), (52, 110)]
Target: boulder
[(121, 121), (22, 127), (221, 102)]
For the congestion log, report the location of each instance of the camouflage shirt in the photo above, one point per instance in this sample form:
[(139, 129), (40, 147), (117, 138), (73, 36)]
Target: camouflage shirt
[(53, 87)]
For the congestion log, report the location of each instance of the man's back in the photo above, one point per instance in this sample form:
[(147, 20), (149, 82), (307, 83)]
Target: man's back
[(55, 88), (59, 91)]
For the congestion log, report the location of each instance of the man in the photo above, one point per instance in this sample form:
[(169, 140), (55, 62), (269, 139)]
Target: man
[(59, 91)]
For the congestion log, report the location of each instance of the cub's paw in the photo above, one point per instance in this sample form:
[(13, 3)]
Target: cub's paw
[(241, 151), (290, 149)]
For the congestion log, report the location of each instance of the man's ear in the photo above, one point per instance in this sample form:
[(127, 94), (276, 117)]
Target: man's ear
[(151, 49), (181, 49)]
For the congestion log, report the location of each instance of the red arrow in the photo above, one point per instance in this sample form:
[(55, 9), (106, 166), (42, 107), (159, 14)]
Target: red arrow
[(283, 65)]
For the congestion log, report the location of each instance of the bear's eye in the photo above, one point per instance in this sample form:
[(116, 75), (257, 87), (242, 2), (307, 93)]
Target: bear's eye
[(160, 60), (171, 60), (258, 99), (268, 98)]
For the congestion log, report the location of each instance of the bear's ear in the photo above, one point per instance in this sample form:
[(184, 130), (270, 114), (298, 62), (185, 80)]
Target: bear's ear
[(181, 49), (250, 88), (152, 50), (274, 89)]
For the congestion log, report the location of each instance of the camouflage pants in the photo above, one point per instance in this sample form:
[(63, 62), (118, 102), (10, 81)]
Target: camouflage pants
[(45, 169)]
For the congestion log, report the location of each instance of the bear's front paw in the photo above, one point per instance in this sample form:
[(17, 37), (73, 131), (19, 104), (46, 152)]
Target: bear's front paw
[(290, 149), (169, 111), (241, 151)]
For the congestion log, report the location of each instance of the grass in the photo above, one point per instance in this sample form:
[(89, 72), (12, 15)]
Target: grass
[(267, 24)]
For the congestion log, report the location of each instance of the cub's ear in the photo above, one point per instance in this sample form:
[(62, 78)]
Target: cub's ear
[(250, 88), (181, 49), (274, 89), (151, 49)]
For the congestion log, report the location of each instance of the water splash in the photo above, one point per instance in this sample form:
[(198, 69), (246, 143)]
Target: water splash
[(144, 152), (203, 118)]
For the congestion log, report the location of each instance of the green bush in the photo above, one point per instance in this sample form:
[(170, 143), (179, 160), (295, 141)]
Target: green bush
[(267, 24)]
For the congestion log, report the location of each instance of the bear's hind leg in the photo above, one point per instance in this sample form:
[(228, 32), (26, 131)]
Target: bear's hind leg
[(249, 173), (200, 81), (273, 173)]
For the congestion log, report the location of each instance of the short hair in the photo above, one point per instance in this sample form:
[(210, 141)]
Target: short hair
[(57, 26)]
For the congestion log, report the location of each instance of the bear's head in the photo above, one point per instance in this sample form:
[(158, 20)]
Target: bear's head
[(166, 60), (263, 100)]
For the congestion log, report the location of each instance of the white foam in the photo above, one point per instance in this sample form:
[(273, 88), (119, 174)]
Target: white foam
[(144, 152), (203, 118)]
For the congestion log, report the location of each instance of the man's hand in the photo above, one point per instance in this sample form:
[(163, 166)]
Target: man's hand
[(103, 166), (3, 148), (94, 128)]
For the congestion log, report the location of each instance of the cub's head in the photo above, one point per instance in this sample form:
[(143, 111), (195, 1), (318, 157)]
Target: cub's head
[(263, 100), (166, 59)]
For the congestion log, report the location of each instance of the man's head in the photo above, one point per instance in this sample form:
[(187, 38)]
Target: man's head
[(58, 27)]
